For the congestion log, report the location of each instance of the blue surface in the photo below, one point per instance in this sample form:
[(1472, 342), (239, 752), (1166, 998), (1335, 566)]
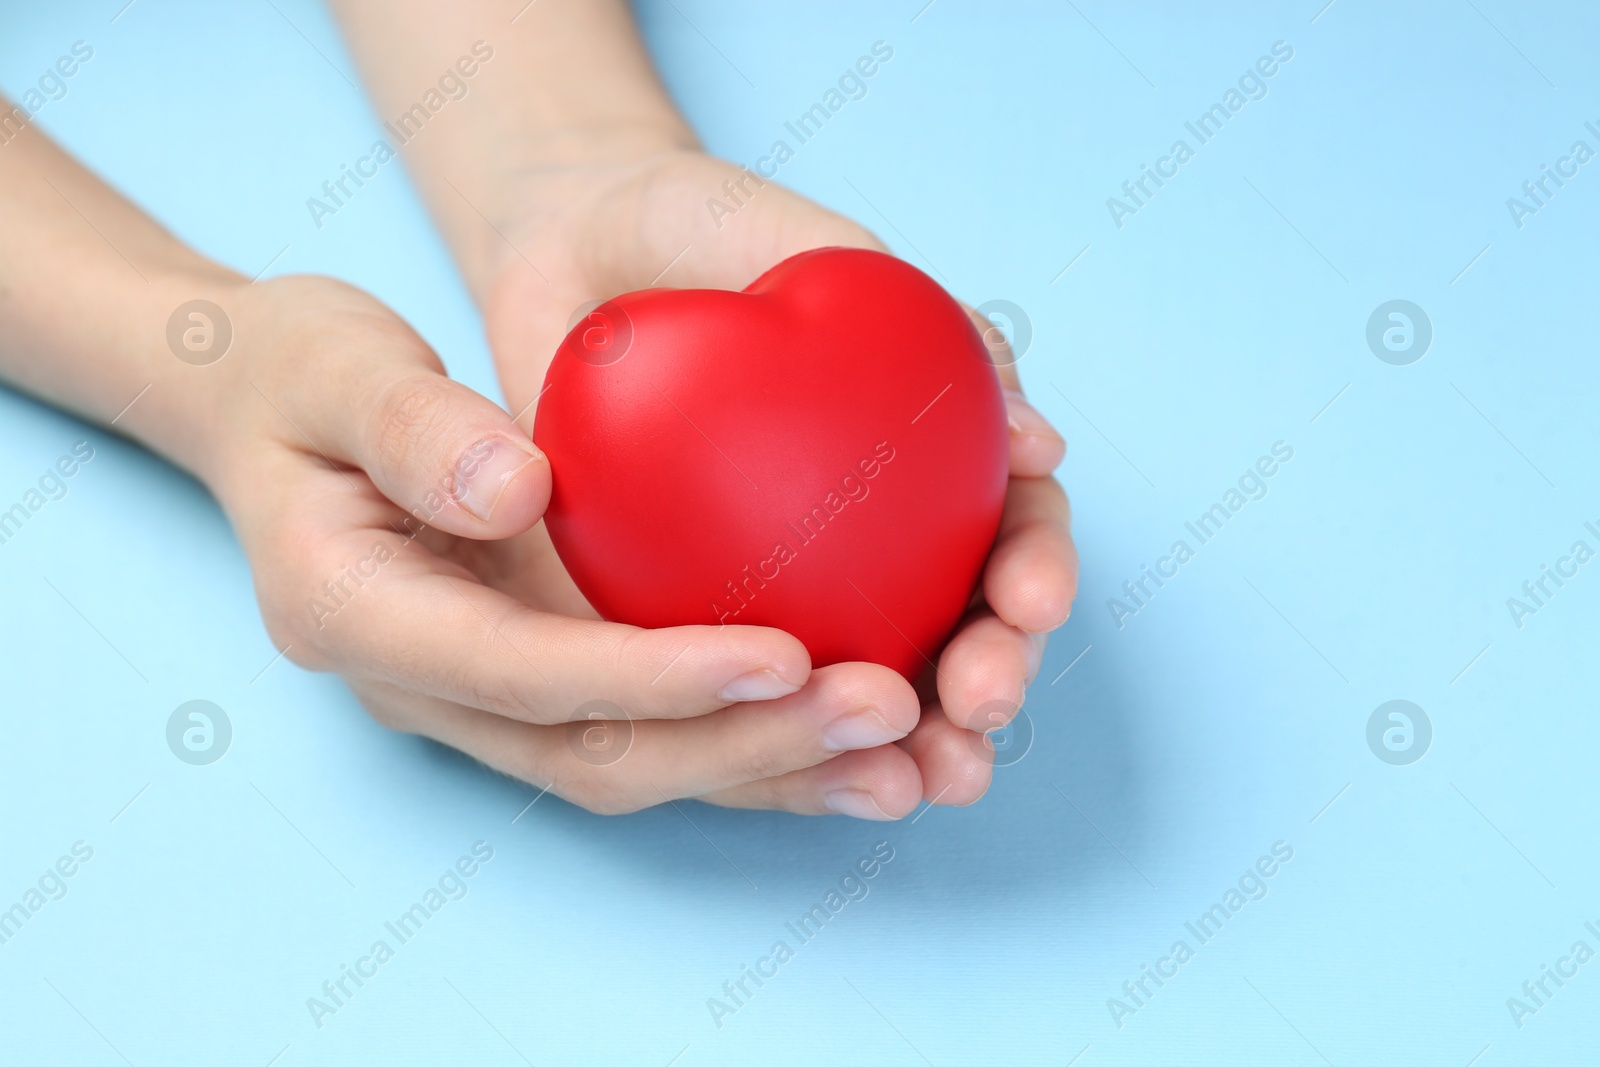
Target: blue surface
[(1228, 714)]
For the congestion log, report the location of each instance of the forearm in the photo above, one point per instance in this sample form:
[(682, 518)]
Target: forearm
[(88, 283), (568, 82)]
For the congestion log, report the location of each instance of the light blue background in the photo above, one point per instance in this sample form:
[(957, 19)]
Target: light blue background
[(1223, 717)]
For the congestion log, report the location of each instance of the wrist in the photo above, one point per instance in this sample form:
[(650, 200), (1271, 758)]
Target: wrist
[(562, 86), (189, 325), (94, 317)]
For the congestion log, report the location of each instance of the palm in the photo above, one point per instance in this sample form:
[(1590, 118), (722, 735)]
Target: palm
[(626, 228)]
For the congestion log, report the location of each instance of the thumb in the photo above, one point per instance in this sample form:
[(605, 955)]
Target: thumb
[(449, 456)]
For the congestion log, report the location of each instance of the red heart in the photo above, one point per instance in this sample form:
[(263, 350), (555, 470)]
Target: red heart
[(825, 452)]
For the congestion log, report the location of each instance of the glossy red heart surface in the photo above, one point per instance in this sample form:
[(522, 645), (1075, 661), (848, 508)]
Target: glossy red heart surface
[(824, 452)]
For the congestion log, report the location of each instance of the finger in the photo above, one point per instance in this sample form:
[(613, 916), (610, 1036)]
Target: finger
[(846, 707), (427, 625), (879, 784), (450, 457), (956, 765), (1000, 353), (1032, 573), (1036, 447), (984, 671), (614, 766)]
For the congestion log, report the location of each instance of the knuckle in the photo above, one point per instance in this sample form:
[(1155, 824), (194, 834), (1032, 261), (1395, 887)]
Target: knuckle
[(533, 763), (294, 612), (387, 715), (409, 415), (752, 762), (496, 693), (604, 794), (868, 684), (633, 647), (297, 641), (637, 659)]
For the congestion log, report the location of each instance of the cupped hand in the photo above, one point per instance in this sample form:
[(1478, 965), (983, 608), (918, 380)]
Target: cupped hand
[(391, 515), (580, 233)]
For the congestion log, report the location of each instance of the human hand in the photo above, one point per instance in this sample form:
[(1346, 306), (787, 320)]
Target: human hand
[(579, 233), (389, 516)]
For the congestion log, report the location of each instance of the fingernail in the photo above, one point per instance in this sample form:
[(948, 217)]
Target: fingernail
[(858, 729), (856, 803), (487, 468), (1024, 418), (1035, 656), (757, 685)]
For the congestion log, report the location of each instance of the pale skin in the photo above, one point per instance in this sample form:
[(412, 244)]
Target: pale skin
[(565, 176)]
